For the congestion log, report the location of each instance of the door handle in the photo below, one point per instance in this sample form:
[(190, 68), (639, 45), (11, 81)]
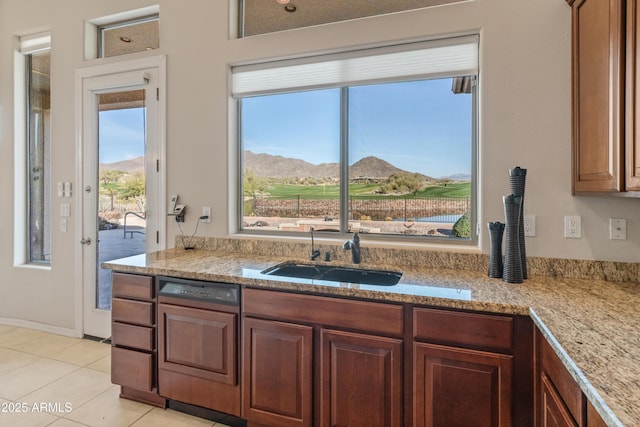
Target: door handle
[(86, 241)]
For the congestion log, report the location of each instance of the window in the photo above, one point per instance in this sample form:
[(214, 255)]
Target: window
[(129, 36), (261, 16), (379, 141), (36, 51)]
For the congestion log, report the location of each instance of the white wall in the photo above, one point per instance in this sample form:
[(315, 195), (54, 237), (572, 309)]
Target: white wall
[(525, 120)]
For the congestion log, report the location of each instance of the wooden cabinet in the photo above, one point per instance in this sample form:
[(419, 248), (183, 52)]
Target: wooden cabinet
[(133, 352), (559, 401), (461, 387), (198, 353), (606, 144), (471, 369), (554, 412), (361, 380), (277, 366), (312, 360)]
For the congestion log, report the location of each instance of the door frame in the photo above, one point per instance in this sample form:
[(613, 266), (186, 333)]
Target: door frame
[(136, 65)]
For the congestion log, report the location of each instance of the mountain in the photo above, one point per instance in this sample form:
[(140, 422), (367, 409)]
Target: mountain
[(372, 167), (131, 166), (269, 166), (458, 177)]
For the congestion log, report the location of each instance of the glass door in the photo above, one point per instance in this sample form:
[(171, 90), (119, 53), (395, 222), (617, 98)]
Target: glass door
[(120, 185)]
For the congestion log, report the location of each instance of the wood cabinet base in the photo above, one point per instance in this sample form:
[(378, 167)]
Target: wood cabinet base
[(143, 397)]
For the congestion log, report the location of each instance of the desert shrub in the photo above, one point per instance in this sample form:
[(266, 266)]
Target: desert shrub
[(462, 227)]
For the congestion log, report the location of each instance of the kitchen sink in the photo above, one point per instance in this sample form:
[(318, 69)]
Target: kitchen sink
[(332, 273)]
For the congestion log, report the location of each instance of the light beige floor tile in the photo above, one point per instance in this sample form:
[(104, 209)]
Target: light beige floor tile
[(47, 345), (109, 410), (18, 336), (11, 359), (30, 377), (73, 389), (62, 422), (167, 418), (103, 365), (82, 353), (5, 328), (24, 419)]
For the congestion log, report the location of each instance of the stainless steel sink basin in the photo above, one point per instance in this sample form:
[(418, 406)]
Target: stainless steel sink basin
[(335, 273)]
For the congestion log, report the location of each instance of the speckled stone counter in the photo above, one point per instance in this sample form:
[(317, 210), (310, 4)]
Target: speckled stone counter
[(593, 324)]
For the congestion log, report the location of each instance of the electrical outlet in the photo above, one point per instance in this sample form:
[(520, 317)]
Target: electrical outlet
[(529, 225), (573, 227), (206, 211), (617, 229)]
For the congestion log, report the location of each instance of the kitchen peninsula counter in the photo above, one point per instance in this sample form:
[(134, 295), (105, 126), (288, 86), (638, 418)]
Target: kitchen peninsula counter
[(592, 324)]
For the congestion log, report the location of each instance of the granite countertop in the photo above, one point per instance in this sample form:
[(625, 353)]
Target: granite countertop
[(593, 325)]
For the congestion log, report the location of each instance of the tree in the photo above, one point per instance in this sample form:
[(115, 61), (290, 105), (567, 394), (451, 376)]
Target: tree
[(403, 182), (253, 184), (108, 179), (135, 188)]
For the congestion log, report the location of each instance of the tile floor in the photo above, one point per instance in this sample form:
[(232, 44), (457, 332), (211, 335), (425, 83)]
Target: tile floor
[(52, 380)]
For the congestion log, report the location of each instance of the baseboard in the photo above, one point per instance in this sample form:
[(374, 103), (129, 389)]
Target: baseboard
[(40, 327)]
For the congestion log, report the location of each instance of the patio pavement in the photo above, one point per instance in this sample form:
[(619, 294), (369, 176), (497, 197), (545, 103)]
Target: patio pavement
[(114, 245)]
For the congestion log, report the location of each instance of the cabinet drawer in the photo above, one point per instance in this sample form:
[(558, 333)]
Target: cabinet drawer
[(466, 329), (337, 312), (132, 286), (131, 368), (136, 312), (125, 335)]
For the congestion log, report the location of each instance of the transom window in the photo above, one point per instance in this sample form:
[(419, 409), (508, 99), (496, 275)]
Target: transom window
[(379, 141), (135, 35)]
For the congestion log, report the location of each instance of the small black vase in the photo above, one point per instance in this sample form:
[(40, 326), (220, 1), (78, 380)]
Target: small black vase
[(496, 230), (512, 271)]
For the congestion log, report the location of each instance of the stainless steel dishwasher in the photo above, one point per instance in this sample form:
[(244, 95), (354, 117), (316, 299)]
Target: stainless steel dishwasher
[(198, 324)]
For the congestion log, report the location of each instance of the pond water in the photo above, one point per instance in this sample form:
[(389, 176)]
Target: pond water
[(448, 219)]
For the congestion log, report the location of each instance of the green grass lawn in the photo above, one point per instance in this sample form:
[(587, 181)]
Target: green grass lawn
[(458, 189)]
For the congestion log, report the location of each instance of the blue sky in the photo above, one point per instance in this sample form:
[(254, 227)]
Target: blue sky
[(121, 134), (417, 126)]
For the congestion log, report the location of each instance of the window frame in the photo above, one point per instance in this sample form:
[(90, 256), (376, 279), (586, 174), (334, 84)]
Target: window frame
[(121, 24), (29, 46), (344, 166)]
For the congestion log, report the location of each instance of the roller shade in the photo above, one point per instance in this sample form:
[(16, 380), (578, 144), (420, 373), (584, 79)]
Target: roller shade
[(35, 43), (453, 57)]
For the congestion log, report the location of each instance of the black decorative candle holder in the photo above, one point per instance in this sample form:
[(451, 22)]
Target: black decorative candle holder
[(517, 178), (496, 230), (512, 271)]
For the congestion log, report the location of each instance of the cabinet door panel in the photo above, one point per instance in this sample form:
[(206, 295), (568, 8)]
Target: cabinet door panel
[(460, 387), (632, 110), (598, 96), (564, 385), (277, 373), (361, 378), (554, 412), (196, 342)]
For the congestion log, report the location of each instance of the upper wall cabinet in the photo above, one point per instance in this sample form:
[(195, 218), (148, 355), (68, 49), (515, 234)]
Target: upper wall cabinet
[(606, 155)]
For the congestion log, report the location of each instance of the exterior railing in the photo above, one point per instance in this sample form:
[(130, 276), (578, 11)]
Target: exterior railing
[(376, 208)]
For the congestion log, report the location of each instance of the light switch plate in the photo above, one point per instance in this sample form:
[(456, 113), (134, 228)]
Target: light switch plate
[(529, 225), (617, 229)]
